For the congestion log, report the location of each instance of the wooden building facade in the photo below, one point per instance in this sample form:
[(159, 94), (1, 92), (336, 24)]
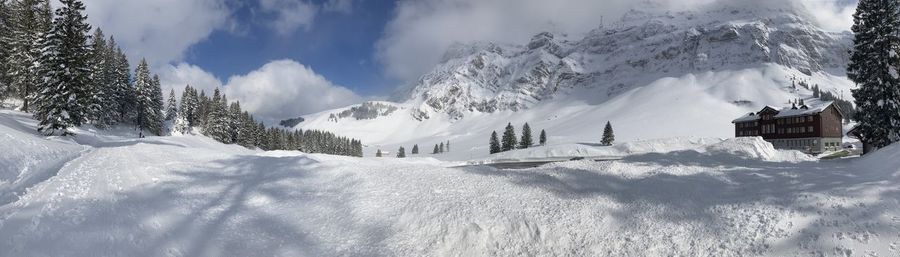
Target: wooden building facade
[(809, 129)]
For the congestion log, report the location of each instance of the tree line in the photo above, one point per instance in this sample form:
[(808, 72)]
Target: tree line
[(228, 123), (67, 76), (401, 153), (509, 141)]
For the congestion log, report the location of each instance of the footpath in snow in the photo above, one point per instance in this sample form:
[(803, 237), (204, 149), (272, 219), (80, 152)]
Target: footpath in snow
[(108, 194)]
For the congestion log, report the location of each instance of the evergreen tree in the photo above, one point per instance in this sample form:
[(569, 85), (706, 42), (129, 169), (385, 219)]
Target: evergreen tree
[(608, 136), (189, 105), (448, 145), (30, 39), (527, 140), (415, 149), (401, 153), (65, 97), (378, 154), (436, 150), (543, 137), (172, 106), (6, 39), (104, 105), (124, 93), (509, 138), (442, 147), (217, 124), (873, 67), (96, 77), (143, 104), (234, 121), (202, 108), (180, 124), (495, 143), (157, 118)]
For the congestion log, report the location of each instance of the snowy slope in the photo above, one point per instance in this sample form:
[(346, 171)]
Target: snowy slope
[(653, 74), (190, 196), (694, 105)]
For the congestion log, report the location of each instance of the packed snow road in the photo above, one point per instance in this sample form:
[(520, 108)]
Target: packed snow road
[(190, 196)]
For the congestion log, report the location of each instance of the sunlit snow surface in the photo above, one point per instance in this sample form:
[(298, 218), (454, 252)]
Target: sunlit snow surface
[(108, 194)]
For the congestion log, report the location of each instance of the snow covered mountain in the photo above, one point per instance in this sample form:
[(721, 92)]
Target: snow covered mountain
[(707, 66), (642, 47)]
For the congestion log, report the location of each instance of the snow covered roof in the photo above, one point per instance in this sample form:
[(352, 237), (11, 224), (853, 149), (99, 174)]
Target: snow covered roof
[(787, 112), (749, 117), (790, 112)]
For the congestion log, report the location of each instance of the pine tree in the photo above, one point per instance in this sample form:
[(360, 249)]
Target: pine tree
[(31, 24), (234, 120), (64, 97), (125, 93), (104, 105), (180, 124), (873, 66), (172, 106), (97, 78), (378, 154), (6, 39), (436, 149), (189, 105), (401, 153), (217, 124), (442, 147), (415, 149), (143, 104), (527, 140), (158, 118), (543, 137), (509, 138), (608, 136), (202, 108), (495, 143), (448, 145)]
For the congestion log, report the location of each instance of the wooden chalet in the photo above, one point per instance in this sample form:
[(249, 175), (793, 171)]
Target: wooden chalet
[(813, 129)]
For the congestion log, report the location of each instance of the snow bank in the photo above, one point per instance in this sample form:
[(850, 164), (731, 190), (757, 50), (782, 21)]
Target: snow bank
[(883, 160), (28, 158), (755, 148), (741, 148)]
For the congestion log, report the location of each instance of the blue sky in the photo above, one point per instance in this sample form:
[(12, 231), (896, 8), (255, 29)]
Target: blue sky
[(338, 45)]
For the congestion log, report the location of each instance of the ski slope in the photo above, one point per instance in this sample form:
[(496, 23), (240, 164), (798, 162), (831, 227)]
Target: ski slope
[(108, 194)]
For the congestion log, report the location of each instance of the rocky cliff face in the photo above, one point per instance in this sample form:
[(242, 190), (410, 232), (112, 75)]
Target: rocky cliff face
[(641, 47)]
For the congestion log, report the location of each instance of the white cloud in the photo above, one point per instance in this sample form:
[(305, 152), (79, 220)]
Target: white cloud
[(289, 15), (159, 30), (178, 76), (833, 15), (278, 90), (420, 31), (286, 89)]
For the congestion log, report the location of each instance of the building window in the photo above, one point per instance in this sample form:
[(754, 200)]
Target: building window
[(809, 118), (811, 129)]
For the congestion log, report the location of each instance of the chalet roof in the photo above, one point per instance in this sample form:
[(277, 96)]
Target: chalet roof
[(811, 110), (749, 117), (787, 112)]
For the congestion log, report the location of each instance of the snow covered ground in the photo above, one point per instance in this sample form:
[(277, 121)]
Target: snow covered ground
[(108, 194)]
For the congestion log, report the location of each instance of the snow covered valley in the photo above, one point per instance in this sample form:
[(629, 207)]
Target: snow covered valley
[(109, 194)]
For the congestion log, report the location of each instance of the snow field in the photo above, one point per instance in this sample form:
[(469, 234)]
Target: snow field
[(190, 196)]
